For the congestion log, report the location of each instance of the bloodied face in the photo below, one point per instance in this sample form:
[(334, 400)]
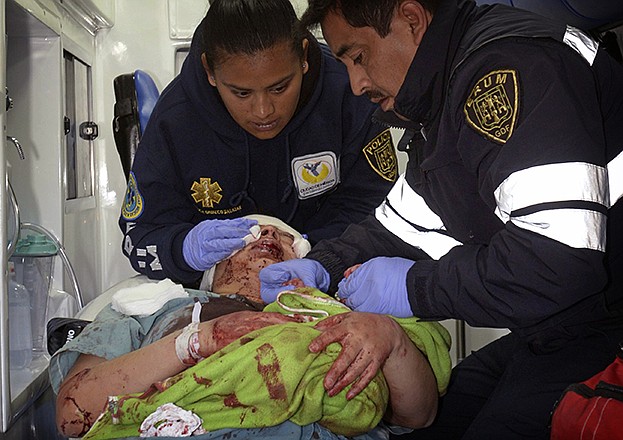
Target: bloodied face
[(240, 273)]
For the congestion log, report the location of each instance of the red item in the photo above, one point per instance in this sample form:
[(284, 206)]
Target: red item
[(592, 409)]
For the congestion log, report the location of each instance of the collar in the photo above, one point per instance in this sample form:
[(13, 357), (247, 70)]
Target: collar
[(422, 94)]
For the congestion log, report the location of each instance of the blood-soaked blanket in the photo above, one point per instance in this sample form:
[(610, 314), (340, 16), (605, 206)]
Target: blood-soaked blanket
[(269, 376)]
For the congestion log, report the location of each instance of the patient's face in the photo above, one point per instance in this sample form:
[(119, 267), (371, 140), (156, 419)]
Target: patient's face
[(273, 246), (240, 273)]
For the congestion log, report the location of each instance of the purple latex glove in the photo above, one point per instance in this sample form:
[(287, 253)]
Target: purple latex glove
[(211, 241), (378, 286), (274, 277)]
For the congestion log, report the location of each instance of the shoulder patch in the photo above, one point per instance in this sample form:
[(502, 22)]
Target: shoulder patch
[(492, 106), (381, 156), (133, 203)]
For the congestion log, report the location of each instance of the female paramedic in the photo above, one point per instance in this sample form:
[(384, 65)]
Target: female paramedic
[(261, 119)]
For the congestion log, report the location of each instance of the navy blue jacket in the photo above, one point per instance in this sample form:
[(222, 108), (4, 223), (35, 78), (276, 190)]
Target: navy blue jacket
[(509, 202), (330, 166)]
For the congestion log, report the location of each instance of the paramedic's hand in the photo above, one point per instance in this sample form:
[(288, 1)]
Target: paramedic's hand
[(275, 277), (378, 286), (211, 241)]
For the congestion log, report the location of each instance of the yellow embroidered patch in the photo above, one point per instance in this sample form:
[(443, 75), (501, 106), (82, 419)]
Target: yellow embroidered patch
[(381, 156), (492, 106), (133, 203), (206, 192)]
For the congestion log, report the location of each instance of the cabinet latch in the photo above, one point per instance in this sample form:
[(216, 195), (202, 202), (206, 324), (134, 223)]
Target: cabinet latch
[(88, 130)]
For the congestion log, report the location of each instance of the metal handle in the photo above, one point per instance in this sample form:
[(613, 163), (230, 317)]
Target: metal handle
[(20, 150), (10, 247)]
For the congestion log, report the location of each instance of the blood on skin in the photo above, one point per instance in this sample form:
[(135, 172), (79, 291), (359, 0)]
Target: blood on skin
[(86, 418)]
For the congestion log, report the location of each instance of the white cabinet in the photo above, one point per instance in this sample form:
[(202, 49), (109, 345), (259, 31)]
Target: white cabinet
[(92, 14), (45, 63)]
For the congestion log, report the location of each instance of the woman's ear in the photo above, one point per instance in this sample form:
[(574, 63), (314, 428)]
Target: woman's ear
[(305, 64), (210, 74)]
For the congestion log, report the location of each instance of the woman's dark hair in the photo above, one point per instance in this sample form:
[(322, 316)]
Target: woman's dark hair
[(376, 14), (246, 27)]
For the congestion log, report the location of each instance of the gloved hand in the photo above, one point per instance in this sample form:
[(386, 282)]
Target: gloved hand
[(212, 241), (378, 286), (274, 277)]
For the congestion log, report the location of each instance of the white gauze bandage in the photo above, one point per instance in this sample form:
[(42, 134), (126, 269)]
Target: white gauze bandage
[(187, 342)]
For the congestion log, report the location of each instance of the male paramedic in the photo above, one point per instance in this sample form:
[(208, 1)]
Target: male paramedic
[(509, 212), (261, 119)]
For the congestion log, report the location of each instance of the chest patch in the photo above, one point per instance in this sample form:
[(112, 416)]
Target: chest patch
[(492, 106), (315, 173), (206, 193), (133, 202), (381, 156)]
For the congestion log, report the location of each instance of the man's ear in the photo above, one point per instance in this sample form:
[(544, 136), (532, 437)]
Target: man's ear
[(416, 17), (210, 74)]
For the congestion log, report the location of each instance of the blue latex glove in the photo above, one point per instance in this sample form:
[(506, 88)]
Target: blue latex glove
[(378, 286), (273, 277), (212, 241)]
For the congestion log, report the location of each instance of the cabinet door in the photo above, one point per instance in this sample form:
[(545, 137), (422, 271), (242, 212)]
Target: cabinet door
[(80, 222), (79, 169)]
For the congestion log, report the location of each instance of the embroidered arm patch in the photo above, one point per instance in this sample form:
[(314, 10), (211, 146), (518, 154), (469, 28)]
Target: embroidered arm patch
[(492, 106), (133, 202), (381, 156)]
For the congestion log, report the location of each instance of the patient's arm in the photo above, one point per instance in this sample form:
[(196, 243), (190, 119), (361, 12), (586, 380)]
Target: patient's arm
[(83, 394), (369, 342)]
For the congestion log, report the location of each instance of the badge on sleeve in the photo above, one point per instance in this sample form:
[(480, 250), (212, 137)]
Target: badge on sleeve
[(381, 156), (133, 203), (492, 106)]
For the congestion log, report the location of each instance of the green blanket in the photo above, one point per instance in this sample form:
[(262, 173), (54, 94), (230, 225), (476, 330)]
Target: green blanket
[(270, 376)]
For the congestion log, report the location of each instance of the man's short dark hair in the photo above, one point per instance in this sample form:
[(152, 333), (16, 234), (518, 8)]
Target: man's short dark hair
[(247, 27), (376, 14)]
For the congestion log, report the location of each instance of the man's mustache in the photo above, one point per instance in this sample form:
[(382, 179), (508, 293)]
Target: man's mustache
[(374, 94)]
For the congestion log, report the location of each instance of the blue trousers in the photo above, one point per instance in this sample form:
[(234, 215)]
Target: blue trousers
[(508, 389)]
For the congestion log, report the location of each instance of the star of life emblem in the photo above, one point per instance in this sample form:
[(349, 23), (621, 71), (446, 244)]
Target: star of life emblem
[(206, 192)]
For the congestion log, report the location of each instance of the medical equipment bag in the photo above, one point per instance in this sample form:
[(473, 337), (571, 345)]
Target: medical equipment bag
[(592, 409)]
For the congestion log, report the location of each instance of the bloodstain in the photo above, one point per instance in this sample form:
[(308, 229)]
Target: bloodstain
[(268, 366), (202, 380), (231, 400), (85, 423), (218, 334)]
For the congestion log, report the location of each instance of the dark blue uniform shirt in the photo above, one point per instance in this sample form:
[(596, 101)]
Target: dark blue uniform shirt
[(330, 166)]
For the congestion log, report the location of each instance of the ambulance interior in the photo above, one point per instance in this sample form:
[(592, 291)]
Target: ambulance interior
[(65, 176)]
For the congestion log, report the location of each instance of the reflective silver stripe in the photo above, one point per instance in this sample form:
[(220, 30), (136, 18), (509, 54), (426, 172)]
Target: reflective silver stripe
[(578, 228), (563, 182), (582, 43), (412, 208), (615, 178)]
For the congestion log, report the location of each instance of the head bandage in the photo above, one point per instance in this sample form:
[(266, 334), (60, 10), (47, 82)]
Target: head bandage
[(300, 245)]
